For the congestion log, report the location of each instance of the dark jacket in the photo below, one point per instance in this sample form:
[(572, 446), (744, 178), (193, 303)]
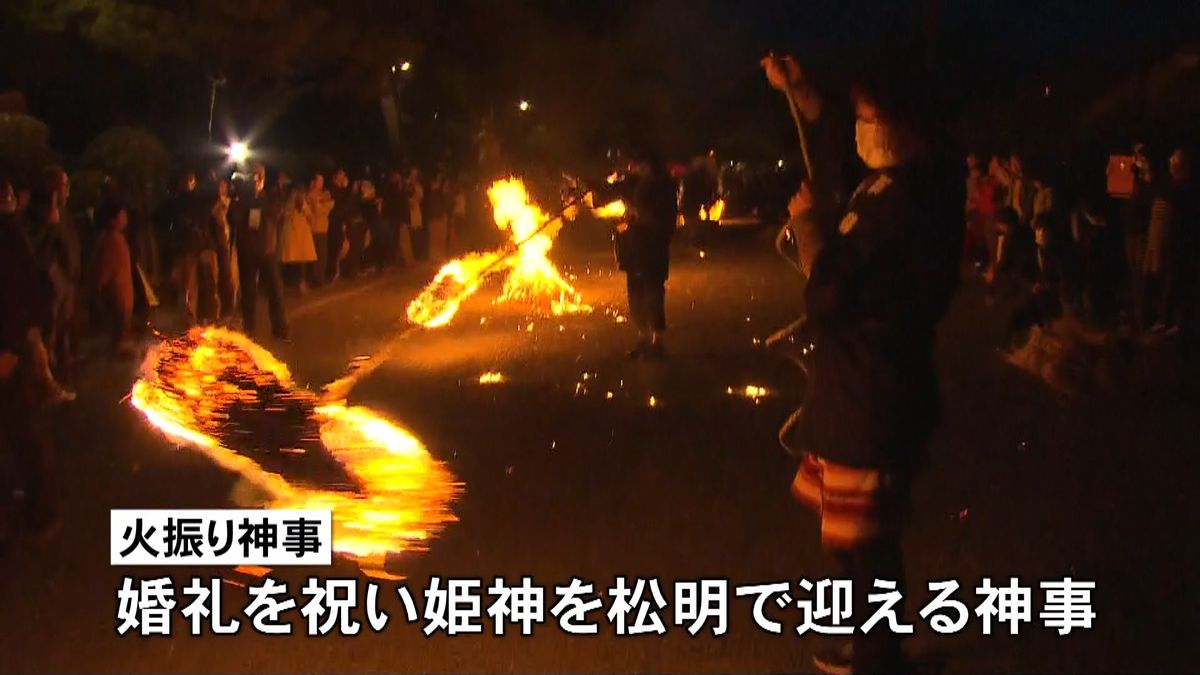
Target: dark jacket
[(257, 236), (644, 248), (877, 291), (345, 206), (25, 290)]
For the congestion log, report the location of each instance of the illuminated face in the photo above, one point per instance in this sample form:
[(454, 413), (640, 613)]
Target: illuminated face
[(872, 138), (318, 182)]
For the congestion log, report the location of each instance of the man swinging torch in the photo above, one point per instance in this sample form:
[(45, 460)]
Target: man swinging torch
[(880, 277)]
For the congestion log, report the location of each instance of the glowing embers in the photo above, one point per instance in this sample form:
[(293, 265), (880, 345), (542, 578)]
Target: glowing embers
[(611, 210), (219, 391), (714, 212), (531, 277), (753, 392), (491, 377)]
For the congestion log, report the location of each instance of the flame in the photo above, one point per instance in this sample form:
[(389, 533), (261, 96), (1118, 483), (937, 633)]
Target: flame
[(611, 210), (715, 211), (751, 391), (214, 388), (491, 378), (531, 275)]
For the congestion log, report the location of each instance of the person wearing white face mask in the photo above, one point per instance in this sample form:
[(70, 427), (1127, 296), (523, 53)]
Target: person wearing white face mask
[(878, 284)]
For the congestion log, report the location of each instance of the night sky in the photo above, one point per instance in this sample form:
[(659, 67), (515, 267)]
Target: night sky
[(596, 72)]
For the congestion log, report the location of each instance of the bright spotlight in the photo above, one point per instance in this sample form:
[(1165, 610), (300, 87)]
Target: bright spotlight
[(238, 152), (406, 66), (523, 106)]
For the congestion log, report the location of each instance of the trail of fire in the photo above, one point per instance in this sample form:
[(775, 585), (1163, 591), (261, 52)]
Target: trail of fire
[(530, 274), (222, 393)]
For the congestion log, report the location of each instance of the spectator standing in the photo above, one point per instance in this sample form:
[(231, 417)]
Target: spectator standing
[(987, 202), (26, 298), (419, 247), (437, 218), (391, 233), (297, 246), (975, 237), (112, 276), (1020, 190), (56, 246), (1099, 246), (340, 217), (1155, 268), (320, 206), (193, 249), (1184, 252), (1135, 222), (356, 231), (255, 218), (227, 275), (458, 213)]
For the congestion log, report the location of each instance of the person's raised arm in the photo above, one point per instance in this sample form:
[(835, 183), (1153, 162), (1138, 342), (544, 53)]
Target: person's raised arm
[(785, 74)]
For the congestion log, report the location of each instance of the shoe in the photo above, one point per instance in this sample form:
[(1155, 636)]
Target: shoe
[(1158, 327), (837, 660), (1172, 331)]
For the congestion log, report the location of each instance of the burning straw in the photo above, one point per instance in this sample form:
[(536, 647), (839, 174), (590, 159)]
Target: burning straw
[(530, 274), (222, 393)]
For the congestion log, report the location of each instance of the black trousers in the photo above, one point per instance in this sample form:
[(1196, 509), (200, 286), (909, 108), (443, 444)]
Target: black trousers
[(356, 234), (647, 297), (333, 249), (255, 270)]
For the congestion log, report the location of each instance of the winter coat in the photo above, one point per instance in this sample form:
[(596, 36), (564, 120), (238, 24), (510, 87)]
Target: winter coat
[(320, 206), (877, 291), (255, 219), (296, 243)]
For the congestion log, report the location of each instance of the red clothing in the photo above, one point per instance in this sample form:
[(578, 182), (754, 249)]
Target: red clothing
[(985, 203)]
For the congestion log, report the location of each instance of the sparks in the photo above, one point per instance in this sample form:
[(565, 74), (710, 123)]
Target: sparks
[(217, 390)]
